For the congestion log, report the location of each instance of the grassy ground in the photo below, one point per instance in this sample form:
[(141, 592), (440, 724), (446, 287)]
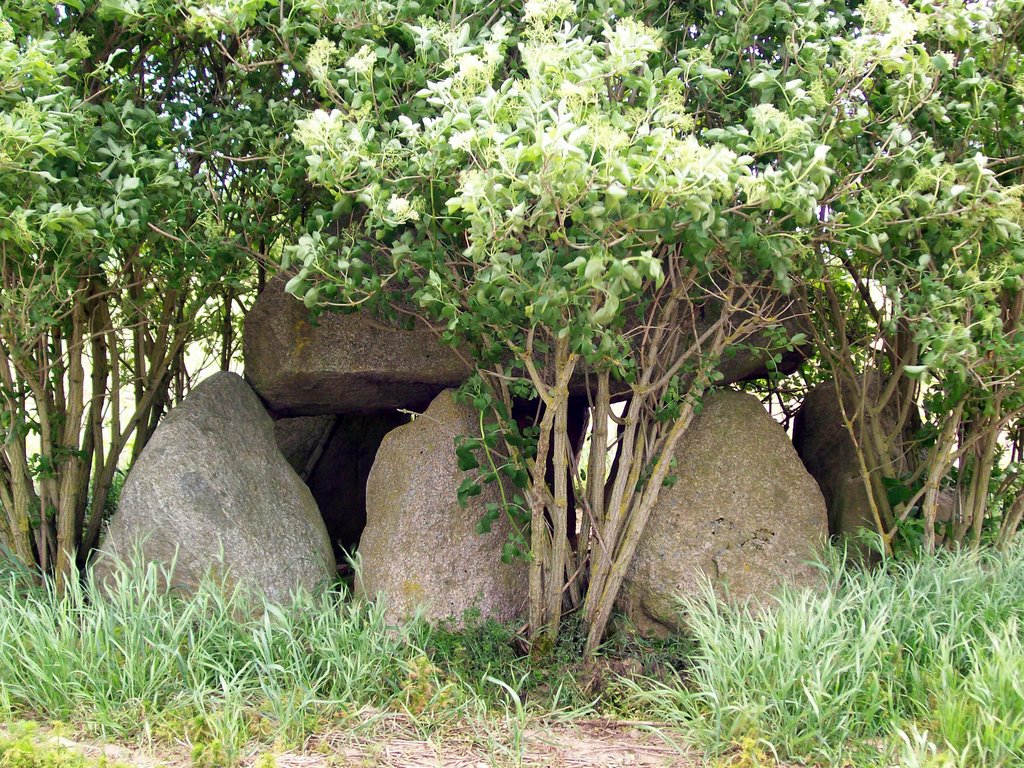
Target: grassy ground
[(917, 664)]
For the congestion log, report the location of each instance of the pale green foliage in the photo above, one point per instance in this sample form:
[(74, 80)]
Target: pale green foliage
[(537, 161), (534, 174), (566, 142)]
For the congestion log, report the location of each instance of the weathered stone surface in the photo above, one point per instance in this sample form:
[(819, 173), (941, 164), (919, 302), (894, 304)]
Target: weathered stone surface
[(419, 546), (827, 450), (299, 438), (749, 358), (743, 513), (338, 481), (354, 363), (346, 363), (211, 489)]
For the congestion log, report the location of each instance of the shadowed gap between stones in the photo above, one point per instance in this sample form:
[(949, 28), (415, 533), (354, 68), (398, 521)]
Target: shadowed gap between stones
[(333, 454)]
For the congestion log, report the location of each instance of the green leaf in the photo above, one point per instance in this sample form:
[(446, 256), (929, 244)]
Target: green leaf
[(466, 455), (467, 489)]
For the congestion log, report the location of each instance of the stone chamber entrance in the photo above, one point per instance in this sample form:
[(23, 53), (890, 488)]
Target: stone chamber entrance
[(333, 455)]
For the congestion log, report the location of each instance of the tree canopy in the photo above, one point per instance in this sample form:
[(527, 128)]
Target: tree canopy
[(612, 192)]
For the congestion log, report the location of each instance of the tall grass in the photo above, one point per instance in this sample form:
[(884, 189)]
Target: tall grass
[(227, 671), (215, 667), (917, 663)]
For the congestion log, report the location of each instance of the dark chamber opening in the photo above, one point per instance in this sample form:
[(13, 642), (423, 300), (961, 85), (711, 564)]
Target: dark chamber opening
[(338, 477)]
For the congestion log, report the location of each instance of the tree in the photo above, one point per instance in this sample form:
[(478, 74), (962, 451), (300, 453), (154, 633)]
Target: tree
[(924, 284), (603, 197), (606, 189), (138, 161)]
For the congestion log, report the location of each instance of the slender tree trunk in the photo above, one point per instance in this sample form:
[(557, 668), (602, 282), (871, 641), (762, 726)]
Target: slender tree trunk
[(559, 512), (643, 504), (938, 467), (70, 464)]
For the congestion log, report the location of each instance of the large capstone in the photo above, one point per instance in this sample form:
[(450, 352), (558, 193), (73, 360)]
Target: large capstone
[(420, 547), (743, 515), (762, 337), (212, 492), (357, 363), (758, 354), (341, 363)]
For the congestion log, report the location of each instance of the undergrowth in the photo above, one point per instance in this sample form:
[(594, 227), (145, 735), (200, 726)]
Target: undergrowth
[(227, 673), (918, 664), (23, 747), (215, 668), (554, 678)]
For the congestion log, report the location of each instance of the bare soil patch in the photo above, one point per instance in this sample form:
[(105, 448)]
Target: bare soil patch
[(597, 743)]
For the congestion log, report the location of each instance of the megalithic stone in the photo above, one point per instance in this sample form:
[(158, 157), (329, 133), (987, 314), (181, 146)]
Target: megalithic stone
[(342, 363)]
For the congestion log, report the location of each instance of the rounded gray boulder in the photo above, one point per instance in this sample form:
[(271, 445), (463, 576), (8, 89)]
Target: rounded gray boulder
[(743, 513), (212, 492), (419, 547)]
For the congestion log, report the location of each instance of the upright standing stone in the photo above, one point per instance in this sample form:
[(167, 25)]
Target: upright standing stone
[(419, 546), (212, 491), (830, 455), (743, 513)]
